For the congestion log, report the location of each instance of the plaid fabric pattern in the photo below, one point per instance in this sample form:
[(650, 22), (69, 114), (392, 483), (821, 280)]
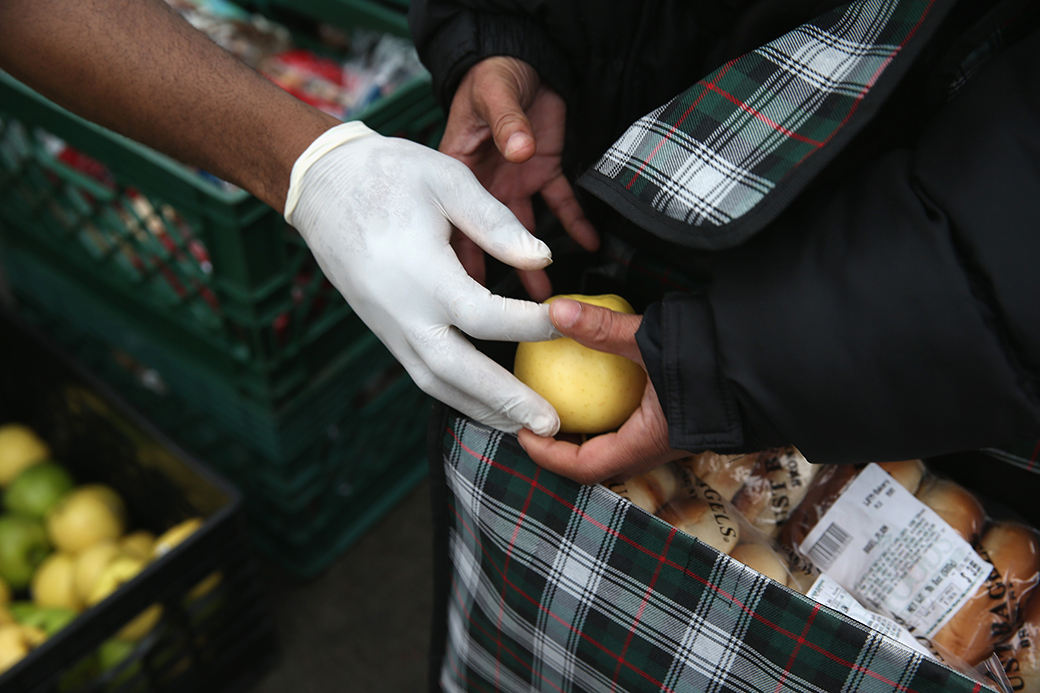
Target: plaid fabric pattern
[(716, 151), (1026, 456), (561, 587)]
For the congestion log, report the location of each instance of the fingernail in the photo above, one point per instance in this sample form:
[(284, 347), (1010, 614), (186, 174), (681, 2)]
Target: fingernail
[(565, 312), (546, 425), (516, 141)]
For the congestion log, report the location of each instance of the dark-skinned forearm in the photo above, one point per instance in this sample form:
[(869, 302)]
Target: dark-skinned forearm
[(136, 67)]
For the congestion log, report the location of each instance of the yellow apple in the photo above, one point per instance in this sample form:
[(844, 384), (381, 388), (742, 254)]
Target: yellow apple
[(13, 645), (84, 516), (139, 544), (20, 447), (54, 582), (172, 537), (591, 390), (91, 563)]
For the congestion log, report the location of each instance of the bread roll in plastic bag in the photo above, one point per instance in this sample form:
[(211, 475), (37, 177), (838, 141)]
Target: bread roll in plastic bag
[(686, 502), (921, 549), (1020, 656), (764, 486)]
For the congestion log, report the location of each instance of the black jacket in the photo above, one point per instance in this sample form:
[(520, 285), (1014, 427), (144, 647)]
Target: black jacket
[(888, 306)]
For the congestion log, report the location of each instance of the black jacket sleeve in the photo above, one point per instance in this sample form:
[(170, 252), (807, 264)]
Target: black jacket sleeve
[(453, 36), (612, 61), (892, 313)]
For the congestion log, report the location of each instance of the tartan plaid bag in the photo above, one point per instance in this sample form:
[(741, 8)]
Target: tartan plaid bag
[(556, 586), (549, 585), (715, 164)]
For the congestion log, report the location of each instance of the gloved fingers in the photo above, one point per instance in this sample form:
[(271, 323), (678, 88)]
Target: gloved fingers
[(487, 222), (484, 315), (455, 372), (523, 210), (470, 255)]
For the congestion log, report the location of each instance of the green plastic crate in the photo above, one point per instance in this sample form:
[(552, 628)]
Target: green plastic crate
[(215, 274), (313, 475), (217, 641), (389, 16), (204, 309)]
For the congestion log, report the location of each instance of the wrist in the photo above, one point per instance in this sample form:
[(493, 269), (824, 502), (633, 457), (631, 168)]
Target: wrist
[(321, 145)]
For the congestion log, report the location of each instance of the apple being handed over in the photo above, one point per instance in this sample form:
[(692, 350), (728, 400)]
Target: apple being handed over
[(592, 391)]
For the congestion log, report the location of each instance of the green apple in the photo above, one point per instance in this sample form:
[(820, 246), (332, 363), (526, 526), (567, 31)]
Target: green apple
[(36, 489), (49, 619), (80, 675), (118, 667), (592, 391), (23, 546), (113, 652)]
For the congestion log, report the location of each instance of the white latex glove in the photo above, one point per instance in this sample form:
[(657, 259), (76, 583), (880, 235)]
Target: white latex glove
[(377, 212)]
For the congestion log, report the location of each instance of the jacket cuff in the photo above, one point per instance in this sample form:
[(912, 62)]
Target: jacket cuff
[(474, 36), (678, 345)]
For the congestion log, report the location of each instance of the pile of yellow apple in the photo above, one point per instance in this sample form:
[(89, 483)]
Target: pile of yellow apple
[(64, 547)]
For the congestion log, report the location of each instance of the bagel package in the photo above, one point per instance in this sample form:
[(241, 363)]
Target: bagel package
[(682, 499), (923, 550), (892, 545), (1020, 656)]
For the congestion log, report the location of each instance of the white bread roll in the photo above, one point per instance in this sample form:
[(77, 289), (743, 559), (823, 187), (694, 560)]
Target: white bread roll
[(665, 481), (956, 505), (710, 521), (763, 559), (639, 491), (774, 489), (649, 491), (989, 618), (753, 500), (909, 473)]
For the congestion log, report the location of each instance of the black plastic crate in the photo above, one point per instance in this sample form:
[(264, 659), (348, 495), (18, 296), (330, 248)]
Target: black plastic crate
[(221, 640)]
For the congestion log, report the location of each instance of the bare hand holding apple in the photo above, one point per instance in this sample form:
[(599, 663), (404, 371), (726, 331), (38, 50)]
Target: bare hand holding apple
[(592, 391), (641, 442)]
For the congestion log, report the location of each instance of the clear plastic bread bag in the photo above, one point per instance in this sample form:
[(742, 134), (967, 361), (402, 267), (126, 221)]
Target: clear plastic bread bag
[(684, 500), (920, 548), (1020, 656), (760, 509)]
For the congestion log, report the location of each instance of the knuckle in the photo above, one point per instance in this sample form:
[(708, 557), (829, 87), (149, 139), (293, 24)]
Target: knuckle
[(425, 381), (601, 327)]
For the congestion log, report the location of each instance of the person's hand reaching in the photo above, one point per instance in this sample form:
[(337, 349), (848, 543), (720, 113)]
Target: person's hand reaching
[(378, 214), (508, 128)]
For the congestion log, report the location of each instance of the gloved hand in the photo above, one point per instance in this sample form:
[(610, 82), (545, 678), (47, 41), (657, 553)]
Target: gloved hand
[(377, 213)]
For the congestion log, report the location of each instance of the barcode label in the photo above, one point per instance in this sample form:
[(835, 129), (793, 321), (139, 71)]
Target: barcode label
[(829, 546)]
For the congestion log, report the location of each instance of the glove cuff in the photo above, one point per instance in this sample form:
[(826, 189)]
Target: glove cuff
[(322, 145)]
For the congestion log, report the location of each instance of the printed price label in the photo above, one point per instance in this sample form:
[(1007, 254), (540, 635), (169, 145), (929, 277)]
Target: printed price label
[(829, 593), (895, 554)]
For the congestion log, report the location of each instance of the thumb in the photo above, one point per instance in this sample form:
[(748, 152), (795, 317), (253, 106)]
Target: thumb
[(506, 87), (597, 328), (510, 128)]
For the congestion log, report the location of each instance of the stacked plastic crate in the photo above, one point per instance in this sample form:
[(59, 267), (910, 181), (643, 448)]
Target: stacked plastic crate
[(208, 312)]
